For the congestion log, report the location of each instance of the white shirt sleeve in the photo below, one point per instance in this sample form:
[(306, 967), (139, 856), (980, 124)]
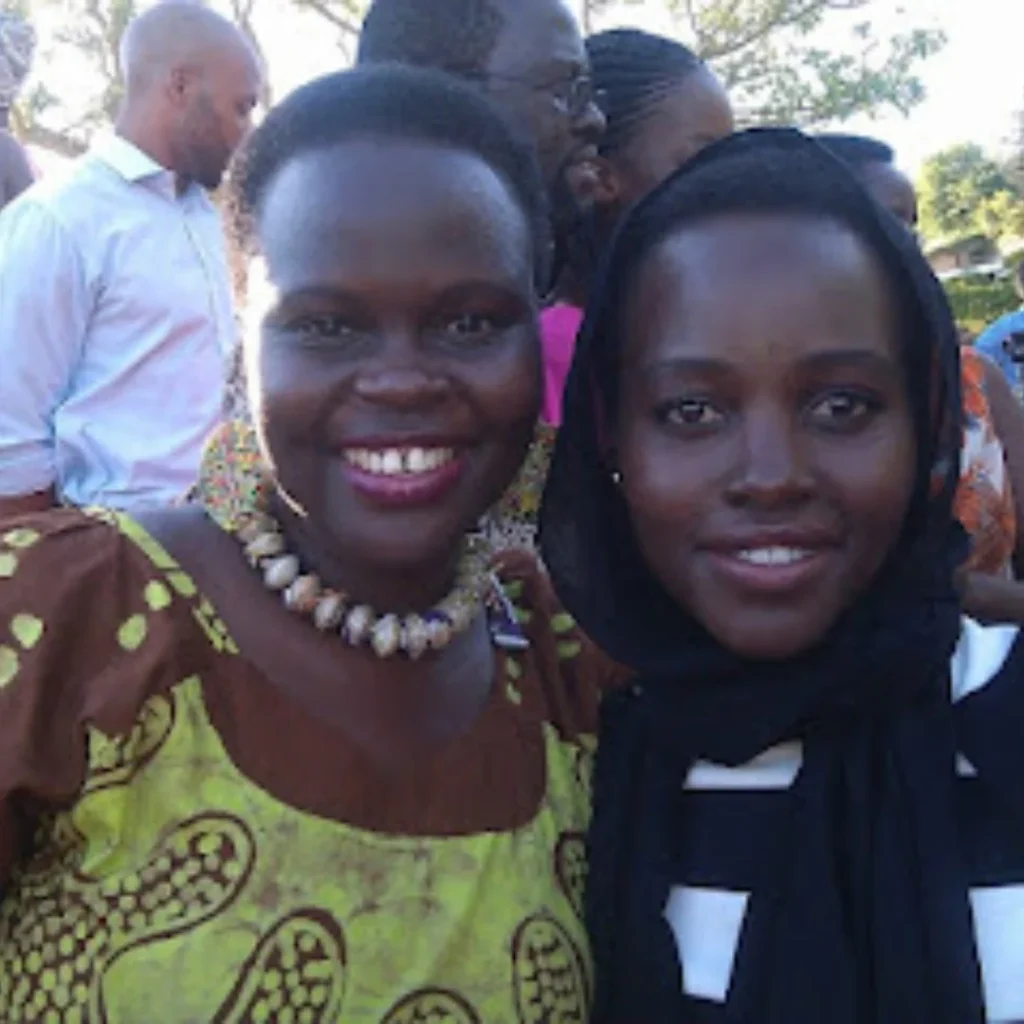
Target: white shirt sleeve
[(45, 307)]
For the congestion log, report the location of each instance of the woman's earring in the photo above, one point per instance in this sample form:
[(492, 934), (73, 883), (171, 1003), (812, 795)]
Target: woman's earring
[(617, 477)]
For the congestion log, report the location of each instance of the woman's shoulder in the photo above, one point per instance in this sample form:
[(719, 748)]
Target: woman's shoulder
[(70, 560), (562, 668), (88, 599)]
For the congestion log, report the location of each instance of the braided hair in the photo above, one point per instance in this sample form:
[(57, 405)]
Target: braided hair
[(633, 71)]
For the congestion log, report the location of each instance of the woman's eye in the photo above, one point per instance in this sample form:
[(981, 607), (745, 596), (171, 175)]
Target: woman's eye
[(323, 327), (692, 412), (470, 326), (841, 409)]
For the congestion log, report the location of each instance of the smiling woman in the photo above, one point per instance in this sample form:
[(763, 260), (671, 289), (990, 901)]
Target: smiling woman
[(806, 808), (297, 753)]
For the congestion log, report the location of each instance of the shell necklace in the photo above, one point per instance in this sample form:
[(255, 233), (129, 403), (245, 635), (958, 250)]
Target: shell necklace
[(235, 490), (412, 634)]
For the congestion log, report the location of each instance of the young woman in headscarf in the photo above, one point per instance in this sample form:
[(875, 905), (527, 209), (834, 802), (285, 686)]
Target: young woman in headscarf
[(808, 805)]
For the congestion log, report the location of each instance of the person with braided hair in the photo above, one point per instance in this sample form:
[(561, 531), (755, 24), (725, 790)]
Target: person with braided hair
[(662, 106), (17, 47)]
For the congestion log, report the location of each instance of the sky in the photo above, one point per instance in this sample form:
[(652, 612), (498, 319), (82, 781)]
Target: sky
[(974, 85)]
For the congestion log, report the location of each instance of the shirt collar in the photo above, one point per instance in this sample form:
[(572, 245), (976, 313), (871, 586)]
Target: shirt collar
[(128, 160)]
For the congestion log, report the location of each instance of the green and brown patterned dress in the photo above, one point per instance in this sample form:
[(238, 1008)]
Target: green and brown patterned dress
[(181, 842)]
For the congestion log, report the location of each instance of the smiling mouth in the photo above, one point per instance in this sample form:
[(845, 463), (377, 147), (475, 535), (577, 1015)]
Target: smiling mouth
[(404, 476), (772, 570), (399, 462), (770, 556)]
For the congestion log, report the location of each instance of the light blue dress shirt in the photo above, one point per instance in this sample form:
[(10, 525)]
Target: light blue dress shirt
[(116, 325)]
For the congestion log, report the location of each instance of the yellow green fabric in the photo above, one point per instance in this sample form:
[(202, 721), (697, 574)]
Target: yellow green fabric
[(173, 889)]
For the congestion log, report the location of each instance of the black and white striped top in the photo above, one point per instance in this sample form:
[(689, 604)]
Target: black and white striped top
[(730, 813)]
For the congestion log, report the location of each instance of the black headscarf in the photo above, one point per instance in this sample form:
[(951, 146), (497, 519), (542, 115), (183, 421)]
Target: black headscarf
[(862, 915)]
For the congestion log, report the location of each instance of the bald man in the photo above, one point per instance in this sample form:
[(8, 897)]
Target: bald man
[(115, 304)]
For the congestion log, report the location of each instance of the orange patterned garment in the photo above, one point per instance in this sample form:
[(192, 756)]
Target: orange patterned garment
[(984, 501)]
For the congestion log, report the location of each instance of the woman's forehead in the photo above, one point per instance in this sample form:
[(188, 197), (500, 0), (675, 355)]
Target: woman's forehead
[(374, 192)]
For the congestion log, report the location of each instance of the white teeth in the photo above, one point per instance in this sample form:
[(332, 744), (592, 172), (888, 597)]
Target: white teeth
[(399, 461), (773, 556)]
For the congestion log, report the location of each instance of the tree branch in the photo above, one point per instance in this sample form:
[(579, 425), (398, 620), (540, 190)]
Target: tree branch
[(241, 11), (51, 140), (323, 7), (782, 15)]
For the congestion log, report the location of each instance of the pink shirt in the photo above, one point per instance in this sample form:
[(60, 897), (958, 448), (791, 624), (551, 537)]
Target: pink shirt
[(559, 326)]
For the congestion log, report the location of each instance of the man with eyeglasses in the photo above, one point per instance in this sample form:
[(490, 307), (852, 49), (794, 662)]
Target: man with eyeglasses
[(527, 55)]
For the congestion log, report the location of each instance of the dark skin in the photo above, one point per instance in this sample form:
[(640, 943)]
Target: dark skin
[(695, 113), (893, 190), (192, 84), (400, 304), (537, 58), (691, 116), (781, 420)]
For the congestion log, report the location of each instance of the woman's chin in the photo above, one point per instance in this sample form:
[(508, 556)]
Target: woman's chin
[(766, 641)]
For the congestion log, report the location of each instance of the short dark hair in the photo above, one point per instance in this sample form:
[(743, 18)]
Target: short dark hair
[(391, 102), (856, 151), (455, 36), (632, 71)]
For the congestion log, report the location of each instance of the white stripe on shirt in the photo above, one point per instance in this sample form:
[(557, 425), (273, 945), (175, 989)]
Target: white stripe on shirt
[(707, 922)]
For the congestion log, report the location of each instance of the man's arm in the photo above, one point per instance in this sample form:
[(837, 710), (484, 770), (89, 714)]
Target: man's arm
[(45, 306), (15, 170)]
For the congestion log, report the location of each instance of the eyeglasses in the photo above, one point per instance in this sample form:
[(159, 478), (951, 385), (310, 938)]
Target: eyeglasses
[(571, 96)]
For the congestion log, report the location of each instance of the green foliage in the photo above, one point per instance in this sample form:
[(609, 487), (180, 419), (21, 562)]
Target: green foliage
[(764, 49), (765, 52), (977, 301), (20, 7), (84, 35), (962, 191)]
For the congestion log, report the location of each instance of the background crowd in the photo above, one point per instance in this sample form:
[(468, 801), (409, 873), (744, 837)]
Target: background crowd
[(294, 725)]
